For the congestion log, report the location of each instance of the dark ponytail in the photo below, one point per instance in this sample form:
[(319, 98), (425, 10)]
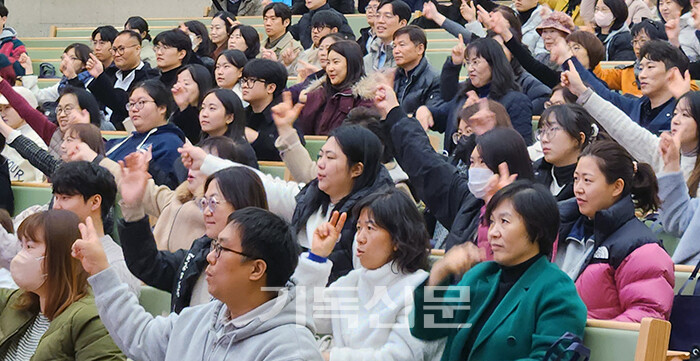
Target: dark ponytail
[(616, 163)]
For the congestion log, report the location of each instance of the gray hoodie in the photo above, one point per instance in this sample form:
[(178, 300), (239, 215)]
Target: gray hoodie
[(7, 33), (203, 332)]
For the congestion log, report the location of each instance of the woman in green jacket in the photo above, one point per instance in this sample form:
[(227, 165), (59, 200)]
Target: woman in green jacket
[(514, 307), (53, 315)]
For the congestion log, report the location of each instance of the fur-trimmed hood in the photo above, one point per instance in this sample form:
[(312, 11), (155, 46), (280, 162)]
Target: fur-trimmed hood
[(364, 88)]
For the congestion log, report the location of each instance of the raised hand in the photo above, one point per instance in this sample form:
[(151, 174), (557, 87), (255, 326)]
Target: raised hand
[(26, 63), (385, 99), (484, 17), (79, 117), (472, 98), (458, 260), (572, 80), (458, 51), (192, 156), (561, 51), (88, 249), (499, 181), (498, 24), (181, 96), (484, 119), (67, 68), (431, 12), (132, 185), (285, 113), (468, 10), (268, 54), (94, 66), (80, 151), (425, 117), (305, 69), (673, 31), (669, 147), (679, 84), (327, 234), (288, 56)]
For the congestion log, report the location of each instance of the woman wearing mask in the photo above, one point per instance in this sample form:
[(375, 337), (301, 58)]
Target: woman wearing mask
[(611, 28), (348, 170), (53, 297), (620, 270), (563, 132), (193, 81), (329, 100), (246, 39), (229, 70), (201, 44), (520, 303), (500, 154)]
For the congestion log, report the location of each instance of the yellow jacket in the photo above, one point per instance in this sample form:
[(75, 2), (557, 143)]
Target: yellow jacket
[(561, 5)]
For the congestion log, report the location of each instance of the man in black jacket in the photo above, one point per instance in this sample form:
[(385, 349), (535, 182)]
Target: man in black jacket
[(302, 30), (416, 83), (111, 86)]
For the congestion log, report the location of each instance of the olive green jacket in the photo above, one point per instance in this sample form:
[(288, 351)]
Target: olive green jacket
[(75, 334)]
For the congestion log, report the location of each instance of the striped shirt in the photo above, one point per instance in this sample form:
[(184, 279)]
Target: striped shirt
[(23, 348)]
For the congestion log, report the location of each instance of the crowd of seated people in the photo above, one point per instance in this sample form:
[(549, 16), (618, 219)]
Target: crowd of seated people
[(532, 160)]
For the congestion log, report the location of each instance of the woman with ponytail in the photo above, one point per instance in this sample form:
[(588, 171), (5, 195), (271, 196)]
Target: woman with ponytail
[(620, 269)]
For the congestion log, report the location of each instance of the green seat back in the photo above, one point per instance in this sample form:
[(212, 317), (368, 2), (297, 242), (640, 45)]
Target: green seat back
[(155, 301), (681, 277), (56, 62), (45, 52), (609, 344), (49, 42), (273, 170), (313, 146), (26, 197)]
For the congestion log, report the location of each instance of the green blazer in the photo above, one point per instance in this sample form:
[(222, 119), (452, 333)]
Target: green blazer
[(542, 305), (75, 334)]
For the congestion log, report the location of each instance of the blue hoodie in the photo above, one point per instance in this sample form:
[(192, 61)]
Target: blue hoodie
[(164, 141)]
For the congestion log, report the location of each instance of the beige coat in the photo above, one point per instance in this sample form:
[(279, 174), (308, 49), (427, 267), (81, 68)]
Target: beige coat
[(179, 220)]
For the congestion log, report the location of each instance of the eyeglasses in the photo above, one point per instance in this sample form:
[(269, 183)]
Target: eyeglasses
[(456, 136), (210, 204), (549, 132), (135, 105), (250, 82), (319, 28), (216, 247), (473, 62), (120, 50), (161, 48), (67, 110), (371, 9)]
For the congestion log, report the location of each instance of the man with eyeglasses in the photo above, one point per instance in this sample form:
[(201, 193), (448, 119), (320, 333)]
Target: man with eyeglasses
[(368, 34), (324, 22), (262, 84), (111, 86), (391, 15), (254, 315), (302, 29), (102, 39)]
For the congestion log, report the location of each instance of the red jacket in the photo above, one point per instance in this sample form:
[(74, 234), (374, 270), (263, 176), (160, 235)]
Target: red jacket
[(10, 50), (321, 115)]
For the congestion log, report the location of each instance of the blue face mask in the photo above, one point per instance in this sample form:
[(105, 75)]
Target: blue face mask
[(478, 181)]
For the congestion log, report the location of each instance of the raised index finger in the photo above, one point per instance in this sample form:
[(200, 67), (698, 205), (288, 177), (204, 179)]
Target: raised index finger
[(341, 222)]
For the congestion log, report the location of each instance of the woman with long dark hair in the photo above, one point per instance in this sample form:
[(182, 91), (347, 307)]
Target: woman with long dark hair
[(490, 76), (348, 170), (329, 99), (193, 81), (246, 39)]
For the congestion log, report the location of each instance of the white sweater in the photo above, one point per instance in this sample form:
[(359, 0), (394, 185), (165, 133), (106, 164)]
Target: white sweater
[(641, 143), (366, 311)]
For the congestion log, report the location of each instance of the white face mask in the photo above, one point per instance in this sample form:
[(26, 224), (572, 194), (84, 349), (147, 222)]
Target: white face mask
[(28, 271), (194, 41), (603, 19), (478, 180)]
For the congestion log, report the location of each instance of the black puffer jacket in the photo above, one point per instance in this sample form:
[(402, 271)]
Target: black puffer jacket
[(543, 175), (175, 272), (437, 182), (342, 253), (7, 198)]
